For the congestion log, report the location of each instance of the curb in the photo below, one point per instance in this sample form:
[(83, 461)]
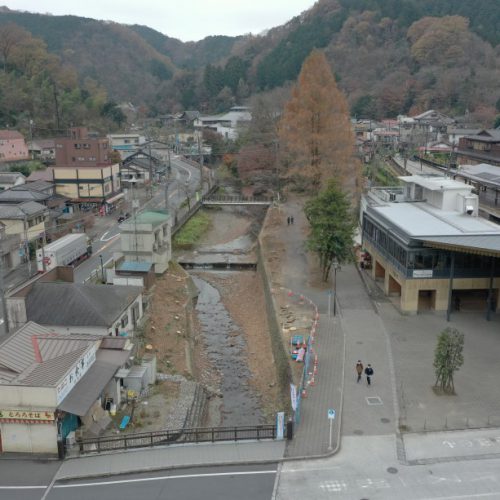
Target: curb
[(164, 467)]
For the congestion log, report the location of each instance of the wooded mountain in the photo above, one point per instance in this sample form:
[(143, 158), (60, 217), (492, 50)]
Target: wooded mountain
[(388, 56)]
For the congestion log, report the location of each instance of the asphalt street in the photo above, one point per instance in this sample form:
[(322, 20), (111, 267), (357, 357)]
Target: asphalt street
[(367, 468), (253, 482)]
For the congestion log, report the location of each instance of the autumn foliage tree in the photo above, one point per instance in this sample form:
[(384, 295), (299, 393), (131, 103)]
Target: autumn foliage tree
[(315, 133)]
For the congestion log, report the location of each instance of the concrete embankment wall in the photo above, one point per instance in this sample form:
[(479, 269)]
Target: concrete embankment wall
[(281, 358)]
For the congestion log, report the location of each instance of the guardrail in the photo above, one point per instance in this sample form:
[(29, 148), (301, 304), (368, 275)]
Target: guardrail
[(234, 200), (165, 437)]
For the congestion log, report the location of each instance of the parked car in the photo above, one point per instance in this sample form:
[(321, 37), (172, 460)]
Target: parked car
[(123, 217)]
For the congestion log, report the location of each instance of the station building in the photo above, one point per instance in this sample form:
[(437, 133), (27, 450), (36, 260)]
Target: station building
[(428, 247)]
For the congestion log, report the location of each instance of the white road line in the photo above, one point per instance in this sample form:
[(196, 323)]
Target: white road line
[(23, 487), (494, 494), (161, 478), (102, 238)]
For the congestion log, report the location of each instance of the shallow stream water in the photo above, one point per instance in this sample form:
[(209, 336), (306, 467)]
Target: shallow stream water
[(227, 351)]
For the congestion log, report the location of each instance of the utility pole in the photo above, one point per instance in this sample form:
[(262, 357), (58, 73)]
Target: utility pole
[(150, 170), (134, 210), (5, 329), (102, 269), (26, 244), (200, 160), (31, 140), (167, 182), (56, 104)]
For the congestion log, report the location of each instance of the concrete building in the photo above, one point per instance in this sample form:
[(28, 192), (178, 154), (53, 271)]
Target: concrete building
[(97, 186), (427, 245), (226, 124), (146, 237), (12, 146), (125, 142), (84, 172), (80, 149), (43, 149), (52, 384)]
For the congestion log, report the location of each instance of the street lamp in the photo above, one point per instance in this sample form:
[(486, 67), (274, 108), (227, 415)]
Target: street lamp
[(336, 267), (135, 206)]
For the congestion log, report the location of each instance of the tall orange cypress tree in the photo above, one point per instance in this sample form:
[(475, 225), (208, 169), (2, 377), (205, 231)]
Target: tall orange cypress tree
[(316, 136)]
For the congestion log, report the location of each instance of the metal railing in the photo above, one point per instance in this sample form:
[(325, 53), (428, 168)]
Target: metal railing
[(235, 200), (165, 437)]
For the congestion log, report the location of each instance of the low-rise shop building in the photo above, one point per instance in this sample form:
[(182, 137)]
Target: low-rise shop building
[(53, 384)]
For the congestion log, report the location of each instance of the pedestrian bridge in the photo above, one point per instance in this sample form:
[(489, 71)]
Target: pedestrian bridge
[(234, 200)]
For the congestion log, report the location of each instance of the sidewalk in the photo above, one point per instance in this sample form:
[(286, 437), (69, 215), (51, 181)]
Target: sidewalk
[(356, 333), (172, 456)]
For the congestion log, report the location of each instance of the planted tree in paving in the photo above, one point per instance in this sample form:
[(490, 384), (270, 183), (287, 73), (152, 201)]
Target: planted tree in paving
[(332, 224), (448, 358)]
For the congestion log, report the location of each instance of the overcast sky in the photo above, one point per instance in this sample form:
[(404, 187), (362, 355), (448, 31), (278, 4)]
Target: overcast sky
[(183, 19)]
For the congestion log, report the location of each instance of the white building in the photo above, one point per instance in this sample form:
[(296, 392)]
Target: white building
[(125, 142), (226, 124), (147, 238)]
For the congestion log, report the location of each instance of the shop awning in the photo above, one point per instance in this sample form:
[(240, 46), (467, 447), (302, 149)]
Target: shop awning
[(115, 198), (88, 389)]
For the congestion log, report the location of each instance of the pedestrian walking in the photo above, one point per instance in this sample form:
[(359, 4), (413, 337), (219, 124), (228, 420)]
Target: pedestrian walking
[(369, 374), (359, 370), (291, 220), (288, 220)]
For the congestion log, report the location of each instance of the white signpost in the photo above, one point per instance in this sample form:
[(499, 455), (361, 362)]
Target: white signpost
[(331, 418), (280, 425), (293, 396)]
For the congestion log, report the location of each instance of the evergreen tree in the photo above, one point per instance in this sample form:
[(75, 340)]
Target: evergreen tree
[(333, 225), (316, 137), (448, 358)]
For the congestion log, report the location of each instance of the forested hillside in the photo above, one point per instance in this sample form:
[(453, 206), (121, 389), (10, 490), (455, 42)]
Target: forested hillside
[(388, 56)]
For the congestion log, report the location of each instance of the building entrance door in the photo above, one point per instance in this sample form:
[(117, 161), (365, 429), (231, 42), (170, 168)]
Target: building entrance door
[(426, 300)]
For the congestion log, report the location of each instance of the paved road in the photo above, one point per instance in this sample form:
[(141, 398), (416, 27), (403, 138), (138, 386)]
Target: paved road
[(367, 468), (253, 482)]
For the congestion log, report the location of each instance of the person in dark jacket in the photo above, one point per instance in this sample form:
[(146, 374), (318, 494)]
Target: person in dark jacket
[(369, 373), (359, 369)]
